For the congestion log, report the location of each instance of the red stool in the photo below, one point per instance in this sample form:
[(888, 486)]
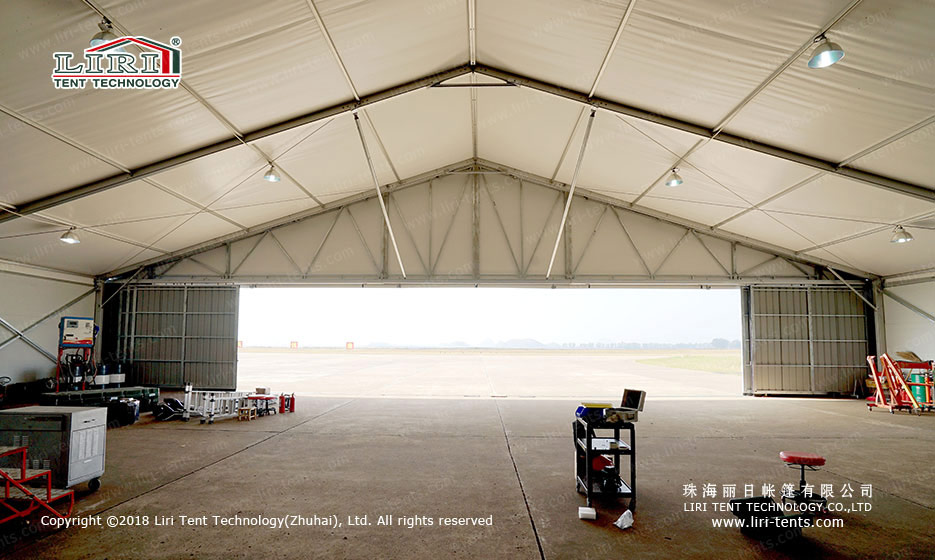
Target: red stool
[(802, 461)]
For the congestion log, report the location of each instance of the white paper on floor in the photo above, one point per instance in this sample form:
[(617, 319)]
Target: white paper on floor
[(587, 513), (625, 521)]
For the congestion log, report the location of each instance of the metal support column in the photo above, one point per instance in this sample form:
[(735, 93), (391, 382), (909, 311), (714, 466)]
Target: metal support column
[(810, 310), (747, 340), (475, 205), (184, 324), (879, 318), (753, 358)]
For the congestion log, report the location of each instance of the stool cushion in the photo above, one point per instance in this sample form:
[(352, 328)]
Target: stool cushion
[(796, 458)]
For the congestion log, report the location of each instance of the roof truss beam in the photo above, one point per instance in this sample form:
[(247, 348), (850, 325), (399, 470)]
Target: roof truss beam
[(873, 179), (156, 167)]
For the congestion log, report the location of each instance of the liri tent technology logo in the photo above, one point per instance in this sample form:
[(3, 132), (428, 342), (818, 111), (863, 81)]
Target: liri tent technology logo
[(110, 66)]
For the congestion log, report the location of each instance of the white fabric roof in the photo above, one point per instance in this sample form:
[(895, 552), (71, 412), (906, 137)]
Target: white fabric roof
[(724, 66)]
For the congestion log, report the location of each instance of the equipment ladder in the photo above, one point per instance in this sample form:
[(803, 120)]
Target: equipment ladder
[(16, 477)]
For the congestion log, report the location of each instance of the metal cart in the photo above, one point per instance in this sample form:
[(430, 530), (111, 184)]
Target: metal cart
[(589, 446)]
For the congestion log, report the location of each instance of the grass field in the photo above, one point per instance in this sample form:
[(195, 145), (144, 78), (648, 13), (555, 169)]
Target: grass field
[(715, 363)]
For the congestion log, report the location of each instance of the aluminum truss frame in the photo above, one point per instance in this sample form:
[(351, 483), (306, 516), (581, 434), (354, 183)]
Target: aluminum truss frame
[(496, 211)]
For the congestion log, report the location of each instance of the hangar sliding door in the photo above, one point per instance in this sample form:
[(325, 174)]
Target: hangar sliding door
[(804, 340), (174, 335)]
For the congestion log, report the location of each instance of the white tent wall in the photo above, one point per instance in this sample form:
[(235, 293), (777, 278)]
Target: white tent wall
[(29, 295), (907, 330)]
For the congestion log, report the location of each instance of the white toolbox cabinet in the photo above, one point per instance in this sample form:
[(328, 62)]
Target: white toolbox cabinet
[(68, 440)]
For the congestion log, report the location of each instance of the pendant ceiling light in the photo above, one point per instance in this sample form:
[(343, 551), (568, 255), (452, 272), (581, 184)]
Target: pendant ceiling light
[(900, 235), (674, 179), (105, 35), (70, 237), (272, 176), (825, 53)]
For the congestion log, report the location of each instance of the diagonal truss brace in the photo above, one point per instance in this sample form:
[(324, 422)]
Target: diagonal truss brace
[(571, 191), (376, 185)]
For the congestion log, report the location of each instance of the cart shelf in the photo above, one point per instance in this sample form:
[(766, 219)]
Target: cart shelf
[(605, 445), (623, 491)]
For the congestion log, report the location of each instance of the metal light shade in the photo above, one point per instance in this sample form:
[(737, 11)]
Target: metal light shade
[(825, 54), (105, 36), (102, 37), (70, 237), (272, 176), (674, 179), (900, 235)]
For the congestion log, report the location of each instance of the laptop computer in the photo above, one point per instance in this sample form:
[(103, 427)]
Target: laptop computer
[(630, 406), (633, 399)]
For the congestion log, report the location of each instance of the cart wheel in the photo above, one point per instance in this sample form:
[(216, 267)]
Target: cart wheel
[(892, 411), (202, 421), (94, 484), (869, 408), (918, 411)]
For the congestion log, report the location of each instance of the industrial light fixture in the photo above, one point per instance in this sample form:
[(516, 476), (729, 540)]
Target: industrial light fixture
[(271, 175), (70, 237), (825, 53), (900, 235), (674, 179), (105, 35)]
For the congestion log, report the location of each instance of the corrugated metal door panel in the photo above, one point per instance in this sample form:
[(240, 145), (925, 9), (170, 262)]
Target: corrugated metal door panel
[(768, 378), (210, 325), (159, 325), (179, 334), (806, 340)]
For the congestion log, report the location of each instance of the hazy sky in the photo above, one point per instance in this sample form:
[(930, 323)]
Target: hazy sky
[(432, 316)]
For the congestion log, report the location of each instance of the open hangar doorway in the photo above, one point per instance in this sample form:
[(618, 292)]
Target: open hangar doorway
[(490, 342)]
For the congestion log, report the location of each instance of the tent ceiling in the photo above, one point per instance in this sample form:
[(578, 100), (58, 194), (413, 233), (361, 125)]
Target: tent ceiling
[(731, 67)]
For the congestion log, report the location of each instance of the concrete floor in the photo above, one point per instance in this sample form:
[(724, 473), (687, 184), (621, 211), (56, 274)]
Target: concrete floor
[(507, 457)]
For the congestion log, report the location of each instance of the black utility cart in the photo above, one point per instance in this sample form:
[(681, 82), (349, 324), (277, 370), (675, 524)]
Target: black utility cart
[(599, 454)]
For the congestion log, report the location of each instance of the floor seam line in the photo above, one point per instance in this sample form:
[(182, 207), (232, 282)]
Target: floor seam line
[(201, 468), (897, 496), (522, 490)]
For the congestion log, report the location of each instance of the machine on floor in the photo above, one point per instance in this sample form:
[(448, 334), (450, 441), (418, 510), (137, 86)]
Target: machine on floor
[(80, 381), (45, 451)]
